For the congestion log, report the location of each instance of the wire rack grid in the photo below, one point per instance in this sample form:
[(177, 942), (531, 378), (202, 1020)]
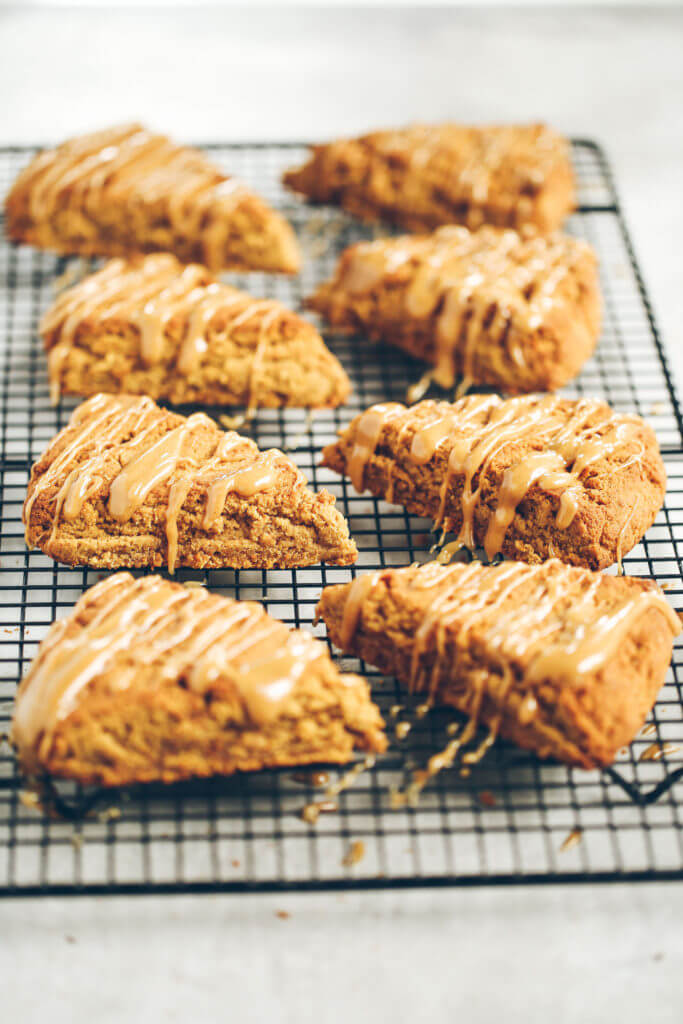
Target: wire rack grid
[(514, 819)]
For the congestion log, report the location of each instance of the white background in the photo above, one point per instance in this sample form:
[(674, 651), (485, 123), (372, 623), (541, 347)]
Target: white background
[(588, 954)]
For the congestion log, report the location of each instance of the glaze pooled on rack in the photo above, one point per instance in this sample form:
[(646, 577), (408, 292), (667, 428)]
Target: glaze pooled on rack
[(125, 190), (129, 484), (151, 326), (115, 674), (516, 312), (512, 476), (561, 660)]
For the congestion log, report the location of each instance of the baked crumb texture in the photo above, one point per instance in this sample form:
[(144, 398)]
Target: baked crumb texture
[(147, 680), (528, 478), (558, 660), (125, 190), (151, 326), (515, 312), (127, 484), (427, 175)]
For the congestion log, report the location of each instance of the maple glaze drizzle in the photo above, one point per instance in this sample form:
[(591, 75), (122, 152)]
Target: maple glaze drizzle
[(360, 589), (622, 531), (479, 158), (311, 778), (125, 430), (149, 294), (107, 168), (367, 432), (656, 751), (571, 840), (186, 634), (566, 440), (475, 285), (444, 172), (246, 482), (419, 389), (548, 618), (311, 811)]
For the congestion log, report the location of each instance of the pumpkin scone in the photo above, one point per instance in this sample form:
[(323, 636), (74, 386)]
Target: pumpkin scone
[(126, 190), (504, 310), (129, 485), (559, 660), (529, 478), (153, 327), (424, 176), (149, 681)]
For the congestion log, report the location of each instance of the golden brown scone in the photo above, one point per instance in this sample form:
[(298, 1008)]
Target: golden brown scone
[(149, 681), (125, 190), (558, 660), (129, 485), (427, 175), (530, 478), (153, 327), (507, 311)]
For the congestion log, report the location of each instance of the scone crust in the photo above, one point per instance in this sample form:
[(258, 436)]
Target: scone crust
[(583, 722), (270, 359), (528, 309), (143, 716), (427, 175), (125, 190), (618, 499), (282, 525)]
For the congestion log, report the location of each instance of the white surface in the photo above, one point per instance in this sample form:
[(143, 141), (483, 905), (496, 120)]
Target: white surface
[(563, 955), (553, 955)]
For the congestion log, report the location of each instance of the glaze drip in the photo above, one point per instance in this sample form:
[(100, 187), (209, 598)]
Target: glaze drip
[(539, 622), (121, 447), (130, 168), (369, 427), (190, 635), (548, 442), (424, 175), (473, 288), (153, 295)]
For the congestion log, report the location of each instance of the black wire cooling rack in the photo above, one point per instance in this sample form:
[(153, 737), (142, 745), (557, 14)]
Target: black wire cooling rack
[(514, 819)]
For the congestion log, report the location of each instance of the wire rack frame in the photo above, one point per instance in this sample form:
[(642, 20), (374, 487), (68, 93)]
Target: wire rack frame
[(514, 819)]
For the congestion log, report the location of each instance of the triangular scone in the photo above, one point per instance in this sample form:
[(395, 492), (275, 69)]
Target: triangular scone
[(149, 681), (153, 327), (125, 190), (529, 478), (129, 485), (512, 312), (427, 175), (559, 660)]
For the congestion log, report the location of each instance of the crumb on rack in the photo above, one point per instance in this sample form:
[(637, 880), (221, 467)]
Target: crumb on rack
[(109, 814), (30, 799), (486, 798), (354, 854), (573, 839)]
